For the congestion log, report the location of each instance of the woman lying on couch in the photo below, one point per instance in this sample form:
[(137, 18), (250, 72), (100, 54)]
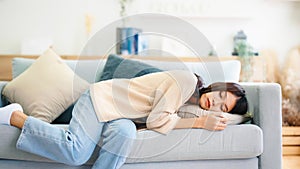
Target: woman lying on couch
[(110, 109)]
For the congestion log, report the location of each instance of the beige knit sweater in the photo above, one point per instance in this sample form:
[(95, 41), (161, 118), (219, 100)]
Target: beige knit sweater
[(155, 97)]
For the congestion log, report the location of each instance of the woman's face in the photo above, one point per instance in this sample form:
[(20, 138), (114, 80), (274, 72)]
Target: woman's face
[(218, 101)]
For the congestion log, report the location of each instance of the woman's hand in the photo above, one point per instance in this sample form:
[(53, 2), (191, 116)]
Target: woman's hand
[(215, 121)]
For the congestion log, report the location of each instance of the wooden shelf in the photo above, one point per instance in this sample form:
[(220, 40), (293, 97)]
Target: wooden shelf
[(288, 131), (291, 150), (291, 140), (291, 162)]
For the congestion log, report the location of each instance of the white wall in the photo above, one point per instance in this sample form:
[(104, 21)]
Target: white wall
[(62, 21), (268, 23)]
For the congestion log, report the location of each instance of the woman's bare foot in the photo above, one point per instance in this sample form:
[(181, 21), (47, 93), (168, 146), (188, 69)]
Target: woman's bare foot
[(18, 119)]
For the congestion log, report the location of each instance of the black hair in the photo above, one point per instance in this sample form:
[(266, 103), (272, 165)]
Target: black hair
[(241, 106)]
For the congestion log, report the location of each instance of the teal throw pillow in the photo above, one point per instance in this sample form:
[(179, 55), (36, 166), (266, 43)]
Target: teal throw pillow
[(118, 67)]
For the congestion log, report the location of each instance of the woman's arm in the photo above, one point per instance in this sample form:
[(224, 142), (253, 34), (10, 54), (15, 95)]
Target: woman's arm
[(208, 122), (193, 111)]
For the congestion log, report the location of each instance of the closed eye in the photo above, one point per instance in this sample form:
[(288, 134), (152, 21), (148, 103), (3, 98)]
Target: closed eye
[(222, 94), (224, 108)]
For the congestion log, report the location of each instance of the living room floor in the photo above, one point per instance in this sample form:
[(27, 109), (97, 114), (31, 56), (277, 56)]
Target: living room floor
[(291, 162)]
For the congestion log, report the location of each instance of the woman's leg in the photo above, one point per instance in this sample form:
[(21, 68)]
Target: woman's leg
[(73, 146), (118, 136)]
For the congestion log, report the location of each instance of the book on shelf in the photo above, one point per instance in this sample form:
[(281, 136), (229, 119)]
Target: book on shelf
[(129, 41)]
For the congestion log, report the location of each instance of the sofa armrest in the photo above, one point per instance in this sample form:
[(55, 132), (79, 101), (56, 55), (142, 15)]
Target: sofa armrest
[(3, 101), (265, 104)]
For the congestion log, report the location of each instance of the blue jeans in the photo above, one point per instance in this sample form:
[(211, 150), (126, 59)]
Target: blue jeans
[(75, 145)]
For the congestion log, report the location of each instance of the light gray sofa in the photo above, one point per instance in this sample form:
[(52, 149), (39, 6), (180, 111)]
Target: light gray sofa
[(246, 146)]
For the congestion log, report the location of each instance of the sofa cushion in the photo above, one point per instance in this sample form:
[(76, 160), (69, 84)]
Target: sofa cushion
[(117, 67), (80, 67), (222, 71), (47, 88), (235, 142)]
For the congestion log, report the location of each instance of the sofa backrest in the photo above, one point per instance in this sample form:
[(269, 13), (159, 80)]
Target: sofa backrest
[(216, 71), (91, 70)]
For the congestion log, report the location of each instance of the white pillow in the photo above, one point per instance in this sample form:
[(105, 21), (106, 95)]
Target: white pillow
[(193, 111)]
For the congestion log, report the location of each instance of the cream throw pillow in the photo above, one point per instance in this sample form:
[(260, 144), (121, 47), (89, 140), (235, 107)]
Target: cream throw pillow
[(47, 88)]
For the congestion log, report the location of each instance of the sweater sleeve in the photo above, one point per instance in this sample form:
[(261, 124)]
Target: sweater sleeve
[(168, 97)]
